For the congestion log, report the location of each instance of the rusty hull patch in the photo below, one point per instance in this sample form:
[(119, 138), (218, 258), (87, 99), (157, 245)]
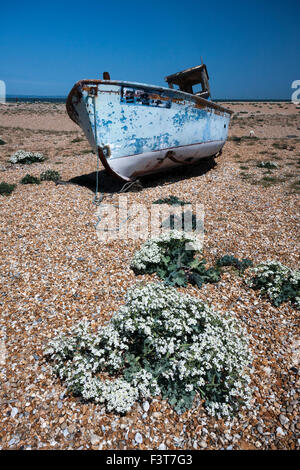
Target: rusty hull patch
[(75, 95), (91, 90)]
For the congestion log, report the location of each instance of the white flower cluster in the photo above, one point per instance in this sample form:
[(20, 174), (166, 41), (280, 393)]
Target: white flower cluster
[(276, 281), (160, 342), (26, 157), (152, 251)]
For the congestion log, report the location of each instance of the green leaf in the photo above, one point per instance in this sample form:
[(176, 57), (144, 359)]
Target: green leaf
[(196, 263), (197, 279)]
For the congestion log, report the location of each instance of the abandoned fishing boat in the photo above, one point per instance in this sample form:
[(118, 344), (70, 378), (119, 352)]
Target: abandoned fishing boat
[(138, 129)]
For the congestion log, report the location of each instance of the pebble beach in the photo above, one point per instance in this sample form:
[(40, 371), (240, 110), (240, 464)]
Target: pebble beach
[(55, 272)]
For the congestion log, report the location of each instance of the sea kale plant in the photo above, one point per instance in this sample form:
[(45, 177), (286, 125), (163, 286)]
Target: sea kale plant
[(160, 343), (6, 188), (172, 256), (171, 200), (276, 281), (23, 157), (229, 260), (268, 165), (30, 179), (50, 175), (168, 256)]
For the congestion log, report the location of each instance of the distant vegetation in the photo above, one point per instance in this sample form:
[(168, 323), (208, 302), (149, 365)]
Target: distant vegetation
[(50, 175), (267, 164), (244, 138), (6, 189), (29, 179), (171, 200)]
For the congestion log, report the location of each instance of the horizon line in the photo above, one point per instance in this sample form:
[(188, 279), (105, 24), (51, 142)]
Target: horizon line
[(215, 99)]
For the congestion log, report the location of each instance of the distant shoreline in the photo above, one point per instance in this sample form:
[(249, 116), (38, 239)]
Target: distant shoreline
[(62, 99)]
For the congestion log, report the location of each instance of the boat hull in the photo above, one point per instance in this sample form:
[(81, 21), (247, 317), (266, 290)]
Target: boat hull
[(139, 129)]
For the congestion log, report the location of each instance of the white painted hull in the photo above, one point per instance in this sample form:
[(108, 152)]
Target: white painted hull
[(147, 163)]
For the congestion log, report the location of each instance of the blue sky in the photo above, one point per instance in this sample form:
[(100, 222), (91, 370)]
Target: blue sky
[(251, 48)]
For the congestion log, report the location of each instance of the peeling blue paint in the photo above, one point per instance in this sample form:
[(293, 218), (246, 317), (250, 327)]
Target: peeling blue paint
[(151, 127)]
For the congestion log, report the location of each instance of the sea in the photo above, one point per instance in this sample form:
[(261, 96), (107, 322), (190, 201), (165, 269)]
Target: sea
[(36, 99)]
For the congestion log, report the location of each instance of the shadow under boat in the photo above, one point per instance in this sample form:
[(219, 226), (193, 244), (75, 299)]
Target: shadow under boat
[(109, 185)]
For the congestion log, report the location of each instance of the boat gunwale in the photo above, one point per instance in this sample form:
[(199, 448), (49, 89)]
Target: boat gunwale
[(179, 93)]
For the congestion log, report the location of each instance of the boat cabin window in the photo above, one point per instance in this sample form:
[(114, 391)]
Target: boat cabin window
[(197, 89)]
